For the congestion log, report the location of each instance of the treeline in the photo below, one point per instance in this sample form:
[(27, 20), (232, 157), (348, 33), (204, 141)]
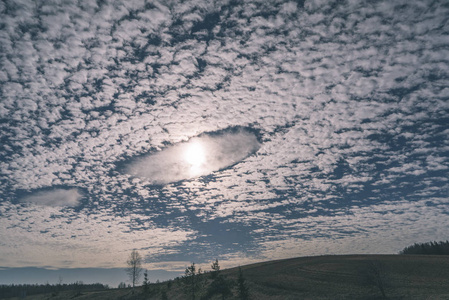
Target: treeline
[(199, 285), (23, 290), (196, 284), (205, 285), (430, 248)]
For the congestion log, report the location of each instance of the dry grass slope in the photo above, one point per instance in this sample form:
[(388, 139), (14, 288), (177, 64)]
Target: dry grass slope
[(345, 277)]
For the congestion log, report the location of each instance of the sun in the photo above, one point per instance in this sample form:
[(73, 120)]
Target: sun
[(194, 155)]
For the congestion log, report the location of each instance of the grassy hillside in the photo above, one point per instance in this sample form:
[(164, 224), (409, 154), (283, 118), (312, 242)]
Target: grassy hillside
[(321, 277), (347, 277)]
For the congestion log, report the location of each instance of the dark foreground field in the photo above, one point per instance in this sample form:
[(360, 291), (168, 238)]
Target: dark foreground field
[(321, 277)]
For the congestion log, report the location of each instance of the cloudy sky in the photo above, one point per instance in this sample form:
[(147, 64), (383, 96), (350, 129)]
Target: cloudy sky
[(237, 130)]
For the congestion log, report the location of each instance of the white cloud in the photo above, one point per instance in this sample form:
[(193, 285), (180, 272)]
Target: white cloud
[(56, 197), (46, 236)]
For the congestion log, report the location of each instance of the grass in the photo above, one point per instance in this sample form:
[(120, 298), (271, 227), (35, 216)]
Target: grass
[(344, 277), (320, 277)]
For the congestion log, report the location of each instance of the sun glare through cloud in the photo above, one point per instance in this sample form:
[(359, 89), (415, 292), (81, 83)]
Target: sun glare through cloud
[(199, 156), (195, 156)]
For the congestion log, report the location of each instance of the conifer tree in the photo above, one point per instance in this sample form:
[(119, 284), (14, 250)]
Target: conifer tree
[(242, 289), (215, 269), (146, 282), (192, 281), (219, 285)]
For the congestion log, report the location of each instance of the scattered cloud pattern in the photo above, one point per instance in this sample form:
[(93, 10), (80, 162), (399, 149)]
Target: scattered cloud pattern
[(343, 106)]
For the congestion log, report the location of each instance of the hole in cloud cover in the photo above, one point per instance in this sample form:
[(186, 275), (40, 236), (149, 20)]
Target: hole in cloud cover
[(55, 197), (198, 156)]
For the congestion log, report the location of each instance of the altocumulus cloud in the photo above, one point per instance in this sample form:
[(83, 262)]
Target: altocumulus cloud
[(350, 99), (56, 197), (198, 156)]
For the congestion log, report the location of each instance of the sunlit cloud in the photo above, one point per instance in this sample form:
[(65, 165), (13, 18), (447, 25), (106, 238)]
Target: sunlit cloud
[(199, 156), (56, 197), (348, 97), (56, 240)]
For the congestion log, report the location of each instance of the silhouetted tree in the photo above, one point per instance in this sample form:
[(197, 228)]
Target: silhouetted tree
[(219, 285), (78, 287), (215, 269), (60, 281), (193, 282), (429, 248), (169, 283), (242, 288), (122, 285), (134, 267), (164, 295), (146, 283), (374, 274)]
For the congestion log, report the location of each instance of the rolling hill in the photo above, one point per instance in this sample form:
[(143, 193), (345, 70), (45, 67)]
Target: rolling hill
[(320, 277)]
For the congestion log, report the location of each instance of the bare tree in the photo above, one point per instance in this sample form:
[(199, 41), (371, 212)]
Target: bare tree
[(134, 267), (374, 274)]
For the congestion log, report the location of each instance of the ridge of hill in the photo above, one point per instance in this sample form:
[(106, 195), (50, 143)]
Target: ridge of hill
[(318, 277)]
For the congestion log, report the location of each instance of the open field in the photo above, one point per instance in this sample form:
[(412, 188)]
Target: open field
[(321, 277)]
